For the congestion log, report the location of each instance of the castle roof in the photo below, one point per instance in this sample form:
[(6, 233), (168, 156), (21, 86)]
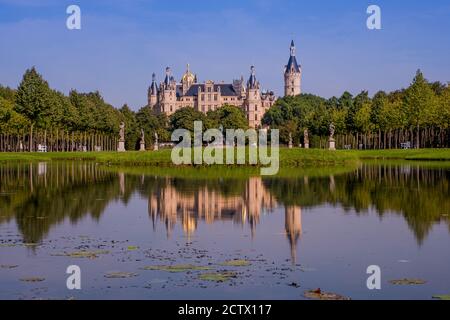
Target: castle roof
[(154, 87), (226, 89), (292, 64), (252, 83)]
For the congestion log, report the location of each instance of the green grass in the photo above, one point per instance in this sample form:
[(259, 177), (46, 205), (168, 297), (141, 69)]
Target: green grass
[(160, 162), (162, 158), (411, 154)]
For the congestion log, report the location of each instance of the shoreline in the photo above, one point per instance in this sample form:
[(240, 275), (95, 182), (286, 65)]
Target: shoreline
[(289, 158)]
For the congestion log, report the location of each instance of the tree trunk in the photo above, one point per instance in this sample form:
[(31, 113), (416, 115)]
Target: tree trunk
[(31, 138), (418, 137)]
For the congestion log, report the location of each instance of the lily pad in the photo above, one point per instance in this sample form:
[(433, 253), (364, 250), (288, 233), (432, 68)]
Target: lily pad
[(84, 254), (120, 275), (403, 282), (236, 263), (32, 279), (177, 268), (8, 266), (218, 276), (321, 295), (30, 244), (442, 297), (132, 248)]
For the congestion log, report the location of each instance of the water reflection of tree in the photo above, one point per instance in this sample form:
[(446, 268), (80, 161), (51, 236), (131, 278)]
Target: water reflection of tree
[(40, 196), (420, 195)]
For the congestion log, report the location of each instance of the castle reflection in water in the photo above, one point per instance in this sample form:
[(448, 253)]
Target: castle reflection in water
[(38, 197), (169, 205)]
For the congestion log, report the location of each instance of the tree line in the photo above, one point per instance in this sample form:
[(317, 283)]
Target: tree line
[(34, 114), (418, 115)]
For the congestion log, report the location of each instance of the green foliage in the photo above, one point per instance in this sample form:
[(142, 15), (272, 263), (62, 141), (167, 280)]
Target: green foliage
[(229, 117), (419, 100), (291, 115), (152, 123), (419, 114), (33, 98), (184, 118)]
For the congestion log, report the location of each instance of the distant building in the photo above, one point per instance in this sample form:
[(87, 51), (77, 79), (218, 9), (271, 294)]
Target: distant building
[(292, 75), (169, 96)]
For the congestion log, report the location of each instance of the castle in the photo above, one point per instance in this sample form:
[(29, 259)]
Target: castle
[(169, 96)]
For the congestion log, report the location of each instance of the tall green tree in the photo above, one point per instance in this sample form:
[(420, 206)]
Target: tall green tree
[(419, 99), (32, 100)]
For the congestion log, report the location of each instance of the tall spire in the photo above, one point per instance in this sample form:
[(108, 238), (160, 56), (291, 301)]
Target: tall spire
[(154, 87), (167, 79), (292, 65), (252, 80)]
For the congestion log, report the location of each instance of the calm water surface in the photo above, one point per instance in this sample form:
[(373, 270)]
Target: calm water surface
[(295, 234)]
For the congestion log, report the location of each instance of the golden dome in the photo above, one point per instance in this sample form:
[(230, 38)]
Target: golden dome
[(188, 77)]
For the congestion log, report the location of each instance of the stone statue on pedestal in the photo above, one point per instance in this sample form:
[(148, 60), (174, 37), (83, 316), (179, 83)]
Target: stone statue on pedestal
[(306, 138), (290, 140), (121, 147), (142, 148), (331, 141), (155, 146)]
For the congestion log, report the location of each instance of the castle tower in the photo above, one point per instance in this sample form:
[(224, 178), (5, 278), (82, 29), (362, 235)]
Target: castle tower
[(253, 100), (153, 93), (292, 75), (187, 80), (168, 95)]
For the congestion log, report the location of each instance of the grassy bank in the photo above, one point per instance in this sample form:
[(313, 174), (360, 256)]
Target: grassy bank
[(289, 158), (162, 158), (411, 154)]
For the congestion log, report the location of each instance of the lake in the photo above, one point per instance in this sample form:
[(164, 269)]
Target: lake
[(152, 236)]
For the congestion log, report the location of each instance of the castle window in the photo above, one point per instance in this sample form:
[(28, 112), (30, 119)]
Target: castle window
[(171, 109), (209, 89), (209, 97), (256, 117), (215, 97), (203, 97)]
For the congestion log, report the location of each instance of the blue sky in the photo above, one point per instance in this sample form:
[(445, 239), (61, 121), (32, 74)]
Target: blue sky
[(122, 43)]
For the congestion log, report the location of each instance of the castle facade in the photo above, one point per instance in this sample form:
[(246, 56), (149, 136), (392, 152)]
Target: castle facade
[(169, 96)]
